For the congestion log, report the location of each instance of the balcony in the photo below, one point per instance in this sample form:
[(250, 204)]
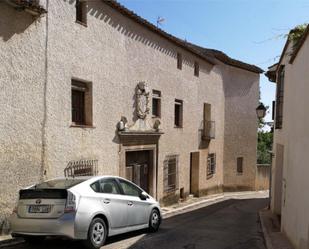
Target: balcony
[(31, 6), (209, 131)]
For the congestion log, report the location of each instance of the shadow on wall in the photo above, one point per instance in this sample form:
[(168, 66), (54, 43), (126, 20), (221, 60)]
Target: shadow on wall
[(13, 22), (304, 243), (128, 28)]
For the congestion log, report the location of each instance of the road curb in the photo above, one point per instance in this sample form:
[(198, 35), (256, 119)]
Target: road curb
[(191, 207), (204, 203), (10, 242), (265, 233)]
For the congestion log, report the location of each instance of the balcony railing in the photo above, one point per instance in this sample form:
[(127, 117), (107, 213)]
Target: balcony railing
[(209, 131), (31, 6)]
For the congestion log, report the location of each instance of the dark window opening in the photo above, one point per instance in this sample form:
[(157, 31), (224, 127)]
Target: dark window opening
[(178, 122), (273, 110), (211, 164), (78, 107), (156, 104), (81, 11), (81, 103), (240, 161), (196, 69), (279, 99), (179, 61)]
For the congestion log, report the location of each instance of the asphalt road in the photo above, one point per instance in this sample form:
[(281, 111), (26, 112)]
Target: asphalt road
[(232, 224)]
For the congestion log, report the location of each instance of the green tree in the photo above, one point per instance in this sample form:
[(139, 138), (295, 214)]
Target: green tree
[(265, 140)]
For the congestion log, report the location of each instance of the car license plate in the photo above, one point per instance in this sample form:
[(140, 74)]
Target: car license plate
[(39, 208)]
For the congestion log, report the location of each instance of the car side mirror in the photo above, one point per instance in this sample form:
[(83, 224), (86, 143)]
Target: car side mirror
[(143, 196)]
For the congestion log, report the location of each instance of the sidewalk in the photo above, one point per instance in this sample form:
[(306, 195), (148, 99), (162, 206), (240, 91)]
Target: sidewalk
[(274, 238), (196, 203), (7, 240), (178, 208)]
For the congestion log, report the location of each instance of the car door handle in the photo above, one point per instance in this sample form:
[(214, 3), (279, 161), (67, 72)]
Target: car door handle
[(130, 203), (106, 201)]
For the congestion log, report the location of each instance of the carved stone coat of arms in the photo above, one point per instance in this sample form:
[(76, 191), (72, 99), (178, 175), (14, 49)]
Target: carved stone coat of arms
[(142, 100)]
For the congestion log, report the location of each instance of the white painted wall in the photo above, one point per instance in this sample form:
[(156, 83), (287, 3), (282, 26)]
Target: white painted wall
[(114, 53), (295, 199)]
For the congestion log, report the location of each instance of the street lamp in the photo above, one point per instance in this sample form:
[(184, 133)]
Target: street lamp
[(261, 111)]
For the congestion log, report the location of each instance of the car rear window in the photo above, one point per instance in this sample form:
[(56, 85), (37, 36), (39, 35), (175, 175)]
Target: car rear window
[(59, 184)]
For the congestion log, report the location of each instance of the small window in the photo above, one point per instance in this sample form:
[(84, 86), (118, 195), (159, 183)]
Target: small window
[(106, 186), (240, 161), (196, 69), (156, 104), (81, 103), (211, 164), (179, 61), (171, 173), (81, 11), (178, 122), (129, 188)]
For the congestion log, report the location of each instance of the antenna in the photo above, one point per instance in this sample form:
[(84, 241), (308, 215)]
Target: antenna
[(160, 20)]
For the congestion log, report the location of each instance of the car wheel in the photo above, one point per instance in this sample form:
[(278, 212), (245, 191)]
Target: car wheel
[(97, 234), (154, 220)]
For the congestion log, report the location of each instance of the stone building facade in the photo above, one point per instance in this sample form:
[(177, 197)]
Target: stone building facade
[(289, 198), (71, 74)]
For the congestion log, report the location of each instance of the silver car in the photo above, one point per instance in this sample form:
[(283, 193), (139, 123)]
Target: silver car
[(88, 209)]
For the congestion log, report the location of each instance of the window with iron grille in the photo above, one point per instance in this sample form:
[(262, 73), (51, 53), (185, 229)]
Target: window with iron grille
[(211, 164), (279, 98), (83, 167), (178, 122), (179, 61), (81, 103), (240, 161), (156, 103), (81, 11), (170, 173), (196, 69)]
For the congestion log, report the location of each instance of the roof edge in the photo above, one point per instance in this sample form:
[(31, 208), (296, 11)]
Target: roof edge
[(299, 45), (128, 13), (229, 61)]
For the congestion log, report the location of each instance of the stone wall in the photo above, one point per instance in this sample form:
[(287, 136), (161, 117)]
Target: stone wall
[(241, 89), (262, 176), (22, 84)]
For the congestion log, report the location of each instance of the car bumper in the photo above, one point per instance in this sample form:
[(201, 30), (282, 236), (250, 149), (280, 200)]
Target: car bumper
[(62, 226)]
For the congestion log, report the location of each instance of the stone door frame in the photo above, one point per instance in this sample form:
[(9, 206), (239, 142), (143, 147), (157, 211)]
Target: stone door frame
[(153, 150)]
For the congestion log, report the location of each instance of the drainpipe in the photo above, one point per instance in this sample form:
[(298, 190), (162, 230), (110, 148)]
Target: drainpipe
[(270, 178), (43, 131), (157, 164)]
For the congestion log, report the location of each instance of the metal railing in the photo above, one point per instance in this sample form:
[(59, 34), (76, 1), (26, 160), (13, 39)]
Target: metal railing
[(83, 167), (31, 6)]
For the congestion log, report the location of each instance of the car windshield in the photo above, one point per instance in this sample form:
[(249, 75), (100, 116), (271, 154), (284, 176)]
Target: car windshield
[(59, 183)]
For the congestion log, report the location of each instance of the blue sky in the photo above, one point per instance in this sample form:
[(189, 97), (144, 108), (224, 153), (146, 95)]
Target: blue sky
[(248, 30)]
